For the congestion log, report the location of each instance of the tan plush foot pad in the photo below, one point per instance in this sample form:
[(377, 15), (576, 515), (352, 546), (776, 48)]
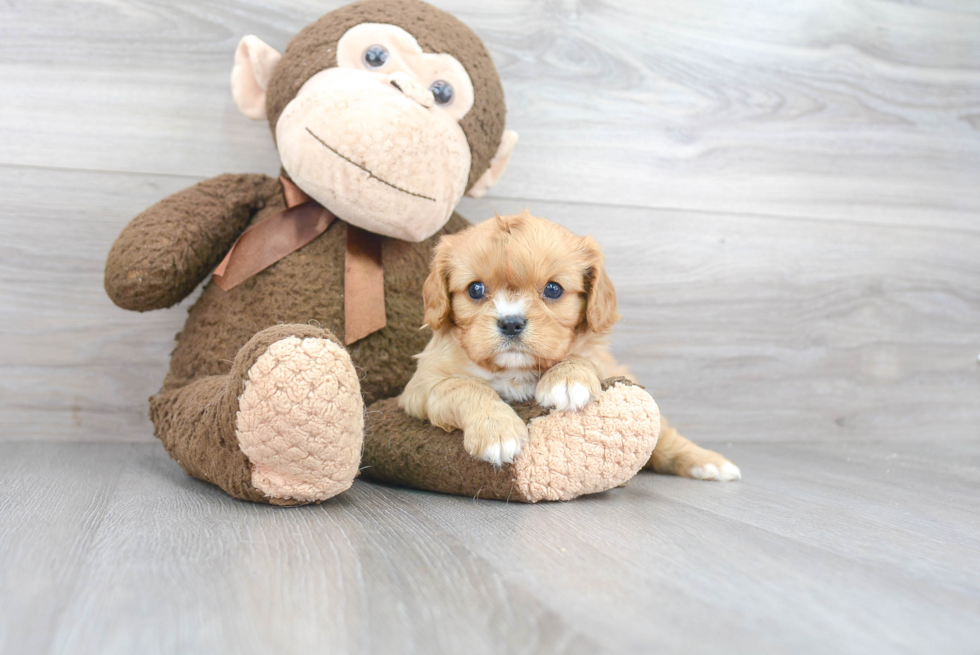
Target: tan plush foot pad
[(300, 420), (569, 454)]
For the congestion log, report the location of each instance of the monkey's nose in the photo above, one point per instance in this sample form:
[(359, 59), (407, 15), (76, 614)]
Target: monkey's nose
[(411, 88), (511, 326)]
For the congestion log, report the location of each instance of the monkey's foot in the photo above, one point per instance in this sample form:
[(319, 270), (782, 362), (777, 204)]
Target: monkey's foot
[(300, 420), (603, 445)]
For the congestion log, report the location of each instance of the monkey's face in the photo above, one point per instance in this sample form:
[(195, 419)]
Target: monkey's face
[(385, 111), (377, 139)]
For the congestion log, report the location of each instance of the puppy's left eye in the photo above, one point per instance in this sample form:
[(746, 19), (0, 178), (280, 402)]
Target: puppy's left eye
[(476, 290), (553, 290)]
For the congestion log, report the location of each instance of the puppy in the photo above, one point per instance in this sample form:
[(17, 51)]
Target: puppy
[(522, 308)]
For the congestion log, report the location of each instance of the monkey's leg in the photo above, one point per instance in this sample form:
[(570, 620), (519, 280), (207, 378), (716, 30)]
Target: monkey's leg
[(284, 427), (675, 455), (569, 454)]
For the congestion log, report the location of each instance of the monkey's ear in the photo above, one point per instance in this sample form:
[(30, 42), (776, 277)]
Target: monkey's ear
[(254, 63), (497, 165)]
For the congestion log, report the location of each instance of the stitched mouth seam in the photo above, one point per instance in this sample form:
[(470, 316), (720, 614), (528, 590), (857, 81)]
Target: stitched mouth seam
[(370, 174)]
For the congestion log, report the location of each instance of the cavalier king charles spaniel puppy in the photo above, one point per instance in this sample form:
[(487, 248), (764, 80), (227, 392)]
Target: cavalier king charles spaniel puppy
[(522, 308)]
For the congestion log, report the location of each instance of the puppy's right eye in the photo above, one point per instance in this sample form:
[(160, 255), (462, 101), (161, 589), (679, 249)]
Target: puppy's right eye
[(477, 291)]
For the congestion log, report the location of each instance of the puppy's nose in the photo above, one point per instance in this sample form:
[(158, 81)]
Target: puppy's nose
[(511, 325)]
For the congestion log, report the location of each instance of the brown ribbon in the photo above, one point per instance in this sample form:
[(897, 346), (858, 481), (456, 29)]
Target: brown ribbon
[(265, 243)]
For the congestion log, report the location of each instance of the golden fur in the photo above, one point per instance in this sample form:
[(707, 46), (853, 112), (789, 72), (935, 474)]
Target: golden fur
[(470, 368)]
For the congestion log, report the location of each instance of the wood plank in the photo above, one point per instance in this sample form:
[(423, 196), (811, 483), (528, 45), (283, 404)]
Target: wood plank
[(75, 366), (892, 489), (52, 503), (810, 553), (743, 327), (849, 547), (795, 111), (174, 565)]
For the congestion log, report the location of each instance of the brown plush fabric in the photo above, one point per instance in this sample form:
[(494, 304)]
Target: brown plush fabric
[(569, 454), (315, 49), (307, 287), (196, 423), (167, 250), (225, 332)]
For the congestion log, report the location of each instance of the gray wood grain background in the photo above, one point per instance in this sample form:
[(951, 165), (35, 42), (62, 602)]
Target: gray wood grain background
[(788, 195)]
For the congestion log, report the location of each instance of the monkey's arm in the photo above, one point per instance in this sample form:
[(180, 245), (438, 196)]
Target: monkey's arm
[(568, 454), (165, 252)]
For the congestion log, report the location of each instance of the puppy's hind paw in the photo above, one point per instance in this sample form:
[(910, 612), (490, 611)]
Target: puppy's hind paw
[(725, 473)]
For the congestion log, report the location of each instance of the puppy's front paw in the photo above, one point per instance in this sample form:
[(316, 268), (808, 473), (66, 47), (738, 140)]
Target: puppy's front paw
[(567, 386), (497, 436)]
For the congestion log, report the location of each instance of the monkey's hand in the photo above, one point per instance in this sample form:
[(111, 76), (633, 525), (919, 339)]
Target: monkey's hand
[(166, 251), (570, 384)]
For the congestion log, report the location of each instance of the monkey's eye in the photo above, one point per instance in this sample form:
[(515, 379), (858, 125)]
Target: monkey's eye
[(442, 92), (476, 290), (553, 291), (375, 56)]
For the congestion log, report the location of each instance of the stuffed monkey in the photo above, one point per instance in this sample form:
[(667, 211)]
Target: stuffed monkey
[(384, 112)]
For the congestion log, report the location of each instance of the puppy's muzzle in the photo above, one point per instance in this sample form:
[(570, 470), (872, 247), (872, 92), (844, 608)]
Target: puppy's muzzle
[(511, 326)]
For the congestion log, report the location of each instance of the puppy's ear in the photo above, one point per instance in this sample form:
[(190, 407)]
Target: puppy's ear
[(435, 291), (600, 307)]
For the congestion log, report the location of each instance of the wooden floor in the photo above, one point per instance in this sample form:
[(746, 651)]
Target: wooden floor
[(839, 548), (788, 194)]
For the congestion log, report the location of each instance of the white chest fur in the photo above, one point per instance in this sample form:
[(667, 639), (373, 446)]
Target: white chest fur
[(512, 384)]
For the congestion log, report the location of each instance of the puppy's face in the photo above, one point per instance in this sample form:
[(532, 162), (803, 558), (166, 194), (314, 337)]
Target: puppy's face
[(517, 291)]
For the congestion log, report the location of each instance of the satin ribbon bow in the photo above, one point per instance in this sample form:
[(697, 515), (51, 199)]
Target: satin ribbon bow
[(304, 219)]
